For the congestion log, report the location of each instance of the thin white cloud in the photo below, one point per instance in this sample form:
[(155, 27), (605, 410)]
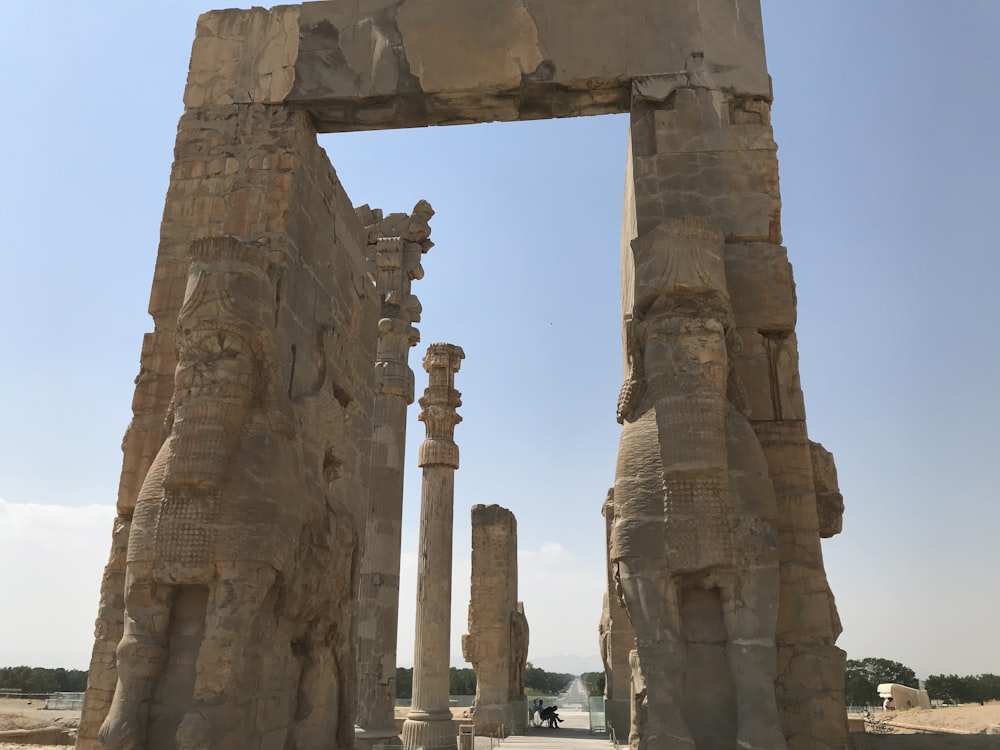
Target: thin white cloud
[(562, 597), (52, 558), (550, 553), (51, 561), (561, 594)]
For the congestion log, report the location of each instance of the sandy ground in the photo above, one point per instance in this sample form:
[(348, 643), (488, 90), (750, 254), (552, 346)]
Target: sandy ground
[(934, 729), (22, 714), (937, 727)]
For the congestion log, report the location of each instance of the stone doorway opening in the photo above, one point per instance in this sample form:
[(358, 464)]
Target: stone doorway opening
[(524, 276)]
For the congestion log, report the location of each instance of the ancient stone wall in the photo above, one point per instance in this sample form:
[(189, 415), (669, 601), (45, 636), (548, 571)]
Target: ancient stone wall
[(810, 667), (617, 639), (720, 498), (253, 176), (497, 641)]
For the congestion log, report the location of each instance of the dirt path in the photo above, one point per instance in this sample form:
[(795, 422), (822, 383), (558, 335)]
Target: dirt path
[(27, 715), (948, 728)]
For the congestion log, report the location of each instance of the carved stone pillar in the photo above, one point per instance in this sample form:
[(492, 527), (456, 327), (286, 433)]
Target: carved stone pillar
[(250, 501), (397, 243), (497, 642), (617, 640), (429, 722), (718, 407)]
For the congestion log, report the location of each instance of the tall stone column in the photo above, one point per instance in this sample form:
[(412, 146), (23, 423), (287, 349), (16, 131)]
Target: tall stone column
[(397, 243), (497, 641), (429, 722)]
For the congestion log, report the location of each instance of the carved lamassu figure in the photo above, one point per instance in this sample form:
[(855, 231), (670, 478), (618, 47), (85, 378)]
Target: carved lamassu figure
[(693, 544), (218, 620)]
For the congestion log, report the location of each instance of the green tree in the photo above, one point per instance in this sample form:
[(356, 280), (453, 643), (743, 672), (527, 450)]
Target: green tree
[(943, 687), (41, 680), (863, 676), (462, 681), (404, 682), (990, 686), (951, 688), (594, 682), (539, 682), (70, 680)]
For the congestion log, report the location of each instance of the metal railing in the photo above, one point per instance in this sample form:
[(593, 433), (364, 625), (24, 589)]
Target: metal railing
[(65, 702)]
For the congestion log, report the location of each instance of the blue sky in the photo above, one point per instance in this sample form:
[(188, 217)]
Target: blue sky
[(885, 115)]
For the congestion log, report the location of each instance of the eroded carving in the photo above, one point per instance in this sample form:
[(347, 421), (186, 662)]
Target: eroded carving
[(497, 641), (396, 243), (694, 543), (223, 524)]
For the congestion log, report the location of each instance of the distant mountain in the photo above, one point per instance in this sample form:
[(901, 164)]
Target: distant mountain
[(568, 663)]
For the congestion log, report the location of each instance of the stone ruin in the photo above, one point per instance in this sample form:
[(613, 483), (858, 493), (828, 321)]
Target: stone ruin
[(229, 611), (397, 243), (617, 641), (428, 723), (497, 642)]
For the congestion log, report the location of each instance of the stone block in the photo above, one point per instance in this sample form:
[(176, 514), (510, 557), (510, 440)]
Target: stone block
[(761, 286), (379, 64), (243, 57), (810, 689), (497, 642), (735, 190), (288, 283)]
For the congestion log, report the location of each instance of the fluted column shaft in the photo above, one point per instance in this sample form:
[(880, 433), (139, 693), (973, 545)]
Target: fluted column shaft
[(429, 722)]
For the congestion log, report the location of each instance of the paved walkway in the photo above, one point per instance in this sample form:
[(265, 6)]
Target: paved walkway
[(573, 734)]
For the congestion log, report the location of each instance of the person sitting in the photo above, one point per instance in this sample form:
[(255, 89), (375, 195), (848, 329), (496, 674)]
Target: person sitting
[(549, 715), (536, 712)]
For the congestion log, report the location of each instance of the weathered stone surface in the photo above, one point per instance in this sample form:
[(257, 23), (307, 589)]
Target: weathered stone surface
[(693, 544), (697, 146), (382, 64), (497, 641), (243, 57), (396, 244), (429, 723), (107, 634), (829, 501), (254, 488), (617, 639), (720, 498), (810, 667), (53, 735), (205, 659), (698, 151)]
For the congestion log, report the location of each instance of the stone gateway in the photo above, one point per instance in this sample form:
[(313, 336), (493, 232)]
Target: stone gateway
[(229, 611)]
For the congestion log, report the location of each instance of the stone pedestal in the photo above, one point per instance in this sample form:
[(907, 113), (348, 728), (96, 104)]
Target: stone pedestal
[(429, 723)]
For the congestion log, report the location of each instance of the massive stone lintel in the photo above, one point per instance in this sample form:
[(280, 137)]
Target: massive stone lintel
[(390, 64)]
